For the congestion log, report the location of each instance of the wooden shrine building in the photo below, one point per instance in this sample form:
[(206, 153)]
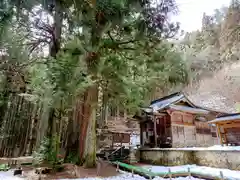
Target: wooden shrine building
[(228, 128), (174, 121)]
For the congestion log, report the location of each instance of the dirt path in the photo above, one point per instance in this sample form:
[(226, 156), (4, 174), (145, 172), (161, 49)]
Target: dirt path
[(72, 171)]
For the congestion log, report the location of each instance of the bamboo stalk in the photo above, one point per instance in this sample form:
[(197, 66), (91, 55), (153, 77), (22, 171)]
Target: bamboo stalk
[(33, 116), (11, 126), (28, 124)]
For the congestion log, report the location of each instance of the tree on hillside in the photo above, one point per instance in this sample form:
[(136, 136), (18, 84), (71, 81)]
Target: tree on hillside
[(209, 49)]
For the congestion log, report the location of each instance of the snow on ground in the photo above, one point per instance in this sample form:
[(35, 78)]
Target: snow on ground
[(122, 176), (179, 178), (229, 174), (8, 175), (215, 147), (219, 147), (128, 176)]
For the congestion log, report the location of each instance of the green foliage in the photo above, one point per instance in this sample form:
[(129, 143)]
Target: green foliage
[(73, 157), (130, 58), (42, 153), (130, 80), (59, 80), (115, 45), (47, 152), (4, 167), (6, 13)]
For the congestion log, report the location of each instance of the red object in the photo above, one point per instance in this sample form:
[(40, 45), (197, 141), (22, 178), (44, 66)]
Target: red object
[(60, 156)]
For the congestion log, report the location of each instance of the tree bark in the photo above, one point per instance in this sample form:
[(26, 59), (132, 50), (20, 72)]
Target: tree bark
[(104, 110), (87, 140), (30, 139), (73, 128)]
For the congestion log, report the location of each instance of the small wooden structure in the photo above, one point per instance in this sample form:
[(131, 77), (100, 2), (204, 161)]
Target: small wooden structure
[(228, 128), (174, 121), (114, 139), (116, 133)]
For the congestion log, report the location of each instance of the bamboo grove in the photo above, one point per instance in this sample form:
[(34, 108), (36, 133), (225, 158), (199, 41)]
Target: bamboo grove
[(65, 64)]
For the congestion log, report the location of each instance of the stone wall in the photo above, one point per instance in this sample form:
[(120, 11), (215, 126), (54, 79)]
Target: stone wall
[(174, 157), (217, 158), (166, 157)]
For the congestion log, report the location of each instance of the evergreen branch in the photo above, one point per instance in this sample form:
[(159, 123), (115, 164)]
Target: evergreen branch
[(44, 27), (127, 42), (35, 44), (128, 48), (109, 34)]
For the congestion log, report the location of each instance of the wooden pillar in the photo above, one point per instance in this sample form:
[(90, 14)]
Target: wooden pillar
[(112, 140), (122, 136), (141, 133), (225, 137), (219, 134), (155, 130)]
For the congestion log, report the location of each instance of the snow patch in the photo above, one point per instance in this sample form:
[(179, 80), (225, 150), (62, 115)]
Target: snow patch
[(179, 178), (229, 174), (215, 147), (8, 175), (128, 176), (122, 176)]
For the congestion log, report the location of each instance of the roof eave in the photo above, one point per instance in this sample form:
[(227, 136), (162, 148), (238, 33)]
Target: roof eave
[(224, 119)]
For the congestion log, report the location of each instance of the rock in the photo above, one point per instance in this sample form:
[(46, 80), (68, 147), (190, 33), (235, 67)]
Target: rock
[(43, 170), (17, 171)]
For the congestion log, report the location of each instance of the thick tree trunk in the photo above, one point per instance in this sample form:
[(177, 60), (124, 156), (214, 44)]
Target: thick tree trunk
[(87, 140)]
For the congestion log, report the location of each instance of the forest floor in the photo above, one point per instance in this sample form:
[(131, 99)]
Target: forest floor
[(70, 172), (61, 176), (107, 172)]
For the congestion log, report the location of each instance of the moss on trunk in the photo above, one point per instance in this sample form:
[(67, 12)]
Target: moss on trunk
[(90, 141), (87, 139)]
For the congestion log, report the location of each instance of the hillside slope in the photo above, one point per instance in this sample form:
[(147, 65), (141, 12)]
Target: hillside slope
[(220, 92)]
